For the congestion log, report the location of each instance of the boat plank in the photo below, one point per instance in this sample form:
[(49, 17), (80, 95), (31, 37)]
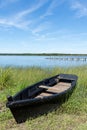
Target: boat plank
[(59, 87), (43, 94)]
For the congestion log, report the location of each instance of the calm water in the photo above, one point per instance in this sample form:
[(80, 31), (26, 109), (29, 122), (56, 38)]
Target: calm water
[(42, 61)]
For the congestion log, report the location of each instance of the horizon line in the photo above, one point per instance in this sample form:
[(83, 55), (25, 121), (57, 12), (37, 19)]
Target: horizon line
[(43, 53)]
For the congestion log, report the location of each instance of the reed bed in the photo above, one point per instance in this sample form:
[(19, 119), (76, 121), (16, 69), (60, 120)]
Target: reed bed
[(72, 115)]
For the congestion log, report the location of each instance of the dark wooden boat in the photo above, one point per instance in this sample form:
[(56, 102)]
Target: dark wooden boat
[(34, 98)]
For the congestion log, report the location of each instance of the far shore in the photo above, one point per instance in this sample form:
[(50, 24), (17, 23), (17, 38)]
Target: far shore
[(40, 54)]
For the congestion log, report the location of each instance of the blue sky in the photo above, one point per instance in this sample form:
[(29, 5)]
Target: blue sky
[(43, 26)]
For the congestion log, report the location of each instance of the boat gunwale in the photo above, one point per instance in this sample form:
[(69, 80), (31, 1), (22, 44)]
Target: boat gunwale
[(39, 83), (35, 101)]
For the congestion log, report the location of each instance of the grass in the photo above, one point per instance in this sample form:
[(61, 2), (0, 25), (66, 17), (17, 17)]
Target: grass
[(72, 115)]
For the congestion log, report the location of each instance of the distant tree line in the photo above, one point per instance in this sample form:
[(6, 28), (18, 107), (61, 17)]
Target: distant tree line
[(40, 54)]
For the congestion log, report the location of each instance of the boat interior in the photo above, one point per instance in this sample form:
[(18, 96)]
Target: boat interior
[(56, 88), (45, 88)]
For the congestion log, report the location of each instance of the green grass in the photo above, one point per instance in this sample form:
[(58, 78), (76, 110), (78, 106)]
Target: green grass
[(72, 115)]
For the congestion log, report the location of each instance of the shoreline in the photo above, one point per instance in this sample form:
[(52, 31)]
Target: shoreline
[(40, 54)]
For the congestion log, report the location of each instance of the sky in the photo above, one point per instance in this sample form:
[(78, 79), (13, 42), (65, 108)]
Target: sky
[(43, 26)]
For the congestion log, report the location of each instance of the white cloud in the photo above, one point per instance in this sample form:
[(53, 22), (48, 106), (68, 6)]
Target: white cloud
[(18, 20), (53, 5), (12, 23), (80, 8), (43, 26), (35, 7)]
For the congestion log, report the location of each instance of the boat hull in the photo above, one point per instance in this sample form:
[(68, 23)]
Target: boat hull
[(32, 107)]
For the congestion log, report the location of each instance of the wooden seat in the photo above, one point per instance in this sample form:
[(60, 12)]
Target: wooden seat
[(43, 94), (46, 87), (49, 89), (59, 87)]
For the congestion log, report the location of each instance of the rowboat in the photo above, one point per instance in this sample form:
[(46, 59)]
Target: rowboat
[(46, 93)]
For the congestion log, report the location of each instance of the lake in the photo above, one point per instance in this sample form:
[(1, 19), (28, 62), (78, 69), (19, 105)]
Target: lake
[(43, 61)]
